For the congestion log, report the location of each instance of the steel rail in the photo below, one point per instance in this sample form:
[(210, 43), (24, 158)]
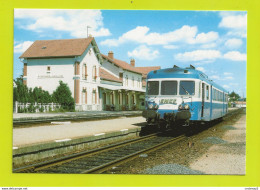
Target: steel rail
[(109, 165), (104, 167), (58, 161)]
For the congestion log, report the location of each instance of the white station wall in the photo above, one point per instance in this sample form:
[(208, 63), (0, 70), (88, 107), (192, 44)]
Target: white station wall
[(61, 69)]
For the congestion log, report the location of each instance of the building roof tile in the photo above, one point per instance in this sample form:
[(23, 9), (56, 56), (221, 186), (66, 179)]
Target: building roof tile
[(122, 64), (146, 70), (57, 48), (107, 76)]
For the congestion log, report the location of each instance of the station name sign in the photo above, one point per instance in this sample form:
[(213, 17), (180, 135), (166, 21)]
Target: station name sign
[(50, 76)]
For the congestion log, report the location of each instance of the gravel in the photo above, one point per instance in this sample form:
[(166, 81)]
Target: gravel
[(171, 169), (219, 149)]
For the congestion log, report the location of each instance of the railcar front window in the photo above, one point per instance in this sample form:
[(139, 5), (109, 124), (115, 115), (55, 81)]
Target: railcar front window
[(187, 87), (169, 88), (153, 87)]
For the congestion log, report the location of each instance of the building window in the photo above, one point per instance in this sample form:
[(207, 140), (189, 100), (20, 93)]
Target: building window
[(126, 80), (127, 99), (94, 73), (133, 81), (94, 96), (84, 96), (120, 76), (84, 71)]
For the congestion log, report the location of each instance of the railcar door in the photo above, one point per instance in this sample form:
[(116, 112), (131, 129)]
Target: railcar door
[(203, 99), (211, 106), (223, 107)]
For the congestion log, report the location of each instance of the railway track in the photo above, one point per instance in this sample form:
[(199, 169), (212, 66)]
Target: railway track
[(102, 159)]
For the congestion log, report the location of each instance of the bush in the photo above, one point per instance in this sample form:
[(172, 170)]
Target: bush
[(41, 109), (63, 96), (22, 94)]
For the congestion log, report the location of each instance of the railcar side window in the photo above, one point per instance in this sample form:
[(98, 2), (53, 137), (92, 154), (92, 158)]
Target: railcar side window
[(187, 87), (226, 99), (153, 87), (207, 92), (169, 88)]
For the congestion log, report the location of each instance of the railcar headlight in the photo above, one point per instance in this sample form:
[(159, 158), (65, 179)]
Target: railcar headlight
[(150, 105), (180, 107), (156, 106), (186, 107)]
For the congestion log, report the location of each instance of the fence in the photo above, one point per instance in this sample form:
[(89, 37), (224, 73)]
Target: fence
[(36, 107)]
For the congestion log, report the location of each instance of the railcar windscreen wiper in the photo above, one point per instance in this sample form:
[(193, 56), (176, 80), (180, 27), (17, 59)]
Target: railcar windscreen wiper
[(187, 87)]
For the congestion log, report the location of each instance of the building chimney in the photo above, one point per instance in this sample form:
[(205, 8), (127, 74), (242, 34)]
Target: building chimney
[(111, 54), (132, 62)]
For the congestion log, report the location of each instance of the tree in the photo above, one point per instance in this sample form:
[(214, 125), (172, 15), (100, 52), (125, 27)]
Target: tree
[(233, 97), (20, 91), (63, 96)]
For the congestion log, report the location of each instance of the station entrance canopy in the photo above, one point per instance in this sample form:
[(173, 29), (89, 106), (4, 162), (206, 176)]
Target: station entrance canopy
[(113, 87)]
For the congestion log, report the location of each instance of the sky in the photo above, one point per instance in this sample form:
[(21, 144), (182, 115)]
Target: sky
[(215, 42)]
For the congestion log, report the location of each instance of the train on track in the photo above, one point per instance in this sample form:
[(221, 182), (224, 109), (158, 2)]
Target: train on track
[(182, 96)]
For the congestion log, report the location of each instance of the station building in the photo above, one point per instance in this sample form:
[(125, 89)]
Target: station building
[(97, 81)]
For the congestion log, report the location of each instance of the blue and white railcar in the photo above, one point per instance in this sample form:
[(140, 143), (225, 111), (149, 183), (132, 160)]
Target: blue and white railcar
[(183, 95)]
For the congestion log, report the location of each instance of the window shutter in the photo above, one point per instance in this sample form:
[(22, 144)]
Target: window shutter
[(86, 97), (95, 97), (86, 71)]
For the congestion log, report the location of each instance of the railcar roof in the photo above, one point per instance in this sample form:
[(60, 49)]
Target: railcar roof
[(177, 72)]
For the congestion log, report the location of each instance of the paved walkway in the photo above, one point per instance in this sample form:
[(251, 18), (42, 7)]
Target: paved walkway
[(67, 131), (39, 115)]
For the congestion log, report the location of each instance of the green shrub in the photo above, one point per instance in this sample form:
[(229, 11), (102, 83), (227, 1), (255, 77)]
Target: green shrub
[(63, 96)]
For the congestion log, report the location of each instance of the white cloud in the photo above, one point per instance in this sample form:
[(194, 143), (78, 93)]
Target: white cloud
[(22, 47), (201, 69), (209, 46), (221, 78), (144, 53), (229, 78), (204, 38), (235, 56), (170, 47), (215, 77), (74, 22), (226, 86), (241, 34), (234, 21), (142, 35), (227, 73), (233, 43), (234, 84), (198, 55), (207, 56)]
